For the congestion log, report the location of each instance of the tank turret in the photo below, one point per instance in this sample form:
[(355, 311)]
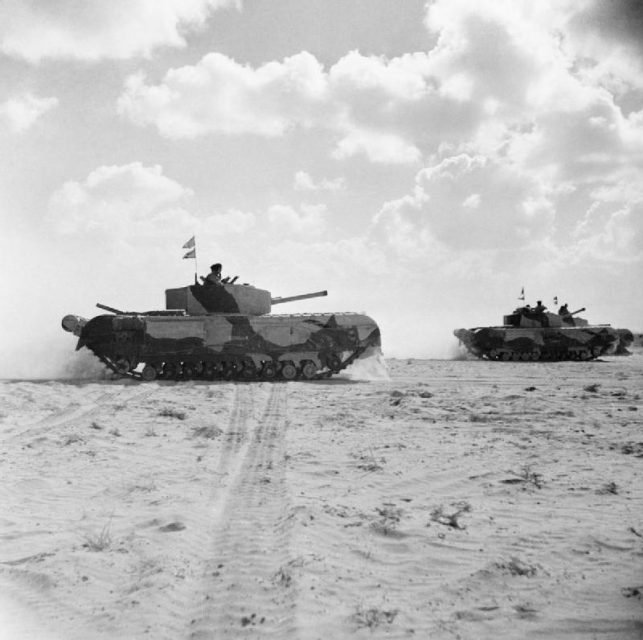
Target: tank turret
[(225, 331), (226, 298), (536, 334)]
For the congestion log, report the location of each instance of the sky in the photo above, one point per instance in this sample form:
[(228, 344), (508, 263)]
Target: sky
[(422, 161)]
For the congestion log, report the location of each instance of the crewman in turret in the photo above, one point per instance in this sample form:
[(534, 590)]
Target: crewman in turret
[(214, 277)]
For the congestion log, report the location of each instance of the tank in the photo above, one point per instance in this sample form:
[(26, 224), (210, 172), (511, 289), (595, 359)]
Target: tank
[(530, 334), (225, 331)]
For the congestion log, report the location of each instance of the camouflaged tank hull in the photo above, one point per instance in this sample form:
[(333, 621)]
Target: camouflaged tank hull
[(267, 347), (559, 343)]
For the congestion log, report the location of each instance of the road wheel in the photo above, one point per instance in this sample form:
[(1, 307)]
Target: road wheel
[(308, 369), (188, 371), (169, 370), (268, 371), (123, 366), (249, 369), (149, 373), (288, 371)]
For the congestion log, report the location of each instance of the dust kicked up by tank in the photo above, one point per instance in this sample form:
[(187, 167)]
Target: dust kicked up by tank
[(223, 330)]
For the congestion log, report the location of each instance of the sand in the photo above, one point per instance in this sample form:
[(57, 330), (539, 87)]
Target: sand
[(451, 499)]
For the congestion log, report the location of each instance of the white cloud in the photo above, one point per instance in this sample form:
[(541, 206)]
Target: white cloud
[(310, 220), (468, 202), (304, 182), (371, 105), (94, 30), (21, 112), (233, 221), (118, 201), (218, 95), (377, 146)]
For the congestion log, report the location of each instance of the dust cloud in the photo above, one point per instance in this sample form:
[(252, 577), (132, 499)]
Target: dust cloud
[(54, 361), (370, 367)]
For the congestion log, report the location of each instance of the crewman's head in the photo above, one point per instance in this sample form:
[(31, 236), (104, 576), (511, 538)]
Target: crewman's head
[(216, 267)]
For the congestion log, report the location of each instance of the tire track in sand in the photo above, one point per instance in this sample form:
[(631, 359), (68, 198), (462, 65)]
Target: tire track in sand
[(88, 404), (246, 587)]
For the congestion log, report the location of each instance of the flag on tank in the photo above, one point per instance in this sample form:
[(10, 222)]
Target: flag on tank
[(522, 294), (189, 244), (190, 254)]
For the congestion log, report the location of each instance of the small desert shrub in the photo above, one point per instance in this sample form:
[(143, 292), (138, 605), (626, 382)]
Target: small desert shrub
[(480, 417), (592, 388), (167, 412), (373, 618), (206, 432), (369, 463), (100, 541), (283, 577), (451, 519), (389, 518), (525, 476), (73, 439), (608, 487), (531, 477), (517, 567)]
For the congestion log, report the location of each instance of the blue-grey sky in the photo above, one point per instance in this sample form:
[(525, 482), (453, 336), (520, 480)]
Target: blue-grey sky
[(423, 161)]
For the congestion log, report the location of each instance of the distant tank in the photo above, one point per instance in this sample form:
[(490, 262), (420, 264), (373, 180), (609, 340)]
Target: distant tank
[(225, 331), (527, 334)]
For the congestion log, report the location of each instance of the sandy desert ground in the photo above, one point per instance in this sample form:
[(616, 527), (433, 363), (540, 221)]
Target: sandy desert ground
[(453, 499)]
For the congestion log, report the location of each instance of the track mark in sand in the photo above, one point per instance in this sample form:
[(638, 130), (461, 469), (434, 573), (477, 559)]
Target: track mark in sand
[(247, 588), (86, 406)]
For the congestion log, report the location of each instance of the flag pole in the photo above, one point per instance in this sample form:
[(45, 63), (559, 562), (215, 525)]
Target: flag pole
[(196, 267)]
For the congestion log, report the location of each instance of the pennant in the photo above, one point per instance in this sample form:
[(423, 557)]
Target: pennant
[(189, 244), (190, 254), (555, 300), (522, 294)]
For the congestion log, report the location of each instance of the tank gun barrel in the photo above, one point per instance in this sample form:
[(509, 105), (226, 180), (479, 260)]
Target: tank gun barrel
[(303, 296), (573, 313), (118, 312)]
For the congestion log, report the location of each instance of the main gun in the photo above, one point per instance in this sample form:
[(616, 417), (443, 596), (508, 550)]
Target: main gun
[(303, 296)]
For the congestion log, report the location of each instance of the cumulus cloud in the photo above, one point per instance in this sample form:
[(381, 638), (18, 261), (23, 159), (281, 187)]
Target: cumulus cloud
[(607, 39), (548, 163), (117, 201), (370, 105), (218, 95), (497, 66), (94, 30), (304, 182), (468, 202), (309, 220), (233, 221), (21, 112)]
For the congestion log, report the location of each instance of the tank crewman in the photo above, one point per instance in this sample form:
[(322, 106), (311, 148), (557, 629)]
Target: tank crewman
[(214, 277), (564, 313), (540, 307)]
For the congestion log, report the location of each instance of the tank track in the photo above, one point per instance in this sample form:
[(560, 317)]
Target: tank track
[(504, 354), (231, 368)]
